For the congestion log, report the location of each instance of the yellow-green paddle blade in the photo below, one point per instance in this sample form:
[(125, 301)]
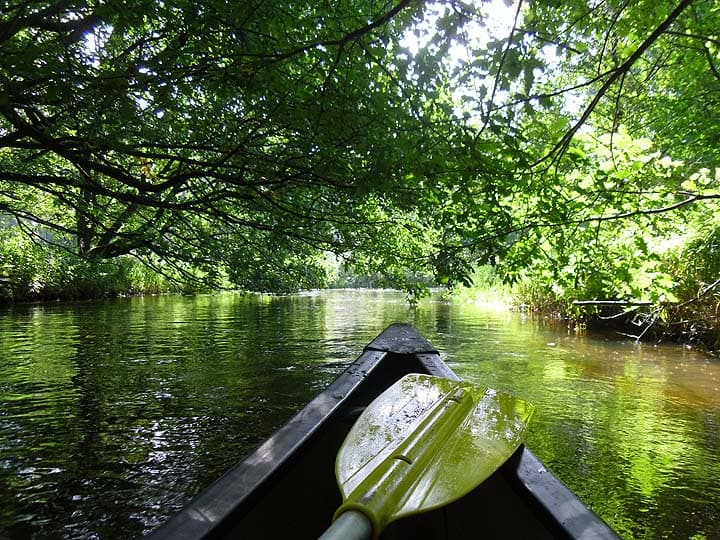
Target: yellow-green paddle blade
[(425, 442)]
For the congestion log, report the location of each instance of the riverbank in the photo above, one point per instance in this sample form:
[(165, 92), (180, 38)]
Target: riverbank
[(694, 326), (694, 323), (30, 273)]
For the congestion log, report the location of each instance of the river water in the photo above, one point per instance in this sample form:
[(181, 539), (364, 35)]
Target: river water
[(114, 414)]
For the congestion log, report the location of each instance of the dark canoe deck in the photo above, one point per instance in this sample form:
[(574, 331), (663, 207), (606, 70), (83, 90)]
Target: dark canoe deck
[(286, 488)]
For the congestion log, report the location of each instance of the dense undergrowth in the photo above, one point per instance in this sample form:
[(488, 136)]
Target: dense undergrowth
[(32, 272), (691, 317)]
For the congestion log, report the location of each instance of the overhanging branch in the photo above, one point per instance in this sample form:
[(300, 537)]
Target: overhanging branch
[(559, 148)]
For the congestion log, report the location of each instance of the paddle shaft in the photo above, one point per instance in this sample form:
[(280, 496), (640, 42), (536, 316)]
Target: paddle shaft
[(350, 525)]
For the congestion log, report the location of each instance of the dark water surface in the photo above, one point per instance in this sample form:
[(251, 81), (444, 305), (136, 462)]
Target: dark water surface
[(114, 414)]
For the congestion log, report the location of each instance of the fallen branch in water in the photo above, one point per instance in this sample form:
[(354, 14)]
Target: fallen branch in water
[(611, 303)]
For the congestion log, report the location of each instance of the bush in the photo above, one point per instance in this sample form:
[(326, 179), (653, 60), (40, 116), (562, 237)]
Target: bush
[(29, 271)]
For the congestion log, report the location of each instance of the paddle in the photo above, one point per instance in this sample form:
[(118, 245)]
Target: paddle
[(422, 444)]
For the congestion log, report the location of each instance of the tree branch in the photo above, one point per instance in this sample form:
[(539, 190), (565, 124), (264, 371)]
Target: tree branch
[(344, 40), (560, 147), (498, 73), (44, 20)]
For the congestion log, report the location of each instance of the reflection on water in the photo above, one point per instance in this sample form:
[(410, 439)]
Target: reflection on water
[(633, 429), (114, 414)]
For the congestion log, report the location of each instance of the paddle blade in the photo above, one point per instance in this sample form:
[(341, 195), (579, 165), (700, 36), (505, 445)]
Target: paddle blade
[(426, 442)]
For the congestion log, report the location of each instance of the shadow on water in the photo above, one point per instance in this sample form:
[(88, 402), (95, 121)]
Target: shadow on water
[(114, 414)]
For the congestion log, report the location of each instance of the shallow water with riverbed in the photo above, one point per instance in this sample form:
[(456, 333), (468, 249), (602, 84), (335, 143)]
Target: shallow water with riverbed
[(113, 414)]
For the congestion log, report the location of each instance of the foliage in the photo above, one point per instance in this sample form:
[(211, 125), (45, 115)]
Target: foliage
[(573, 148), (696, 268), (697, 264), (234, 135), (610, 106), (487, 289), (30, 271)]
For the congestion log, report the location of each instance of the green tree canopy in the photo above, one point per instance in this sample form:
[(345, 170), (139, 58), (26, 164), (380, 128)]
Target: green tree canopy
[(248, 135), (250, 138)]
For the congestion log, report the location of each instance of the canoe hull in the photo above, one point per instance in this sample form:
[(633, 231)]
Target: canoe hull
[(287, 489)]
